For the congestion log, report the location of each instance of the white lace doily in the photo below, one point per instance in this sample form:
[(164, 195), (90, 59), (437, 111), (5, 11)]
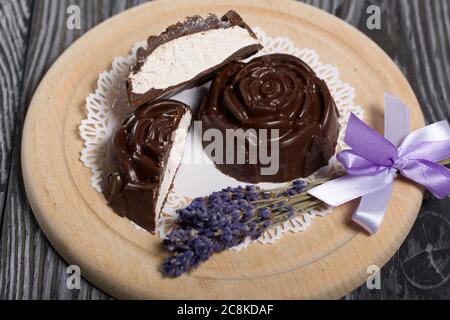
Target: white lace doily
[(108, 105)]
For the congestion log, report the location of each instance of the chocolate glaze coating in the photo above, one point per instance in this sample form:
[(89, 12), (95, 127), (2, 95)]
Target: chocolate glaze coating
[(190, 25), (276, 91), (136, 159)]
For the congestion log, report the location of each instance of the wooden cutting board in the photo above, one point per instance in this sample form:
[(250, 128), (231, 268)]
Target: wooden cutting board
[(328, 260)]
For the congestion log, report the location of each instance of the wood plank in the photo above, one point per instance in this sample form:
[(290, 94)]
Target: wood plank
[(30, 268), (14, 27), (415, 34), (14, 22)]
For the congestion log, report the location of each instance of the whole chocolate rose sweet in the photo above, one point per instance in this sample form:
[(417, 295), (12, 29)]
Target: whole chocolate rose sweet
[(276, 91)]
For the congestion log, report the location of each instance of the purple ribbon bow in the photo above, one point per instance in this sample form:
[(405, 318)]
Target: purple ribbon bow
[(373, 162)]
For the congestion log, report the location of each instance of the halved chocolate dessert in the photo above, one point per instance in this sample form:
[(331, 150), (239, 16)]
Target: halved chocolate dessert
[(276, 91), (142, 160), (187, 54)]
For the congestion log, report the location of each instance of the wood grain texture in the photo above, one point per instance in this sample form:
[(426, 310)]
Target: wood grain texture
[(30, 268), (415, 33), (14, 23)]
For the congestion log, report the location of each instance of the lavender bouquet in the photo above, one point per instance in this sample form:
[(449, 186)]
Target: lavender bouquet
[(226, 218)]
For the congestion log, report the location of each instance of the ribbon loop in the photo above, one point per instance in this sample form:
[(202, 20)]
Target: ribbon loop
[(357, 165), (439, 131), (434, 177), (365, 141)]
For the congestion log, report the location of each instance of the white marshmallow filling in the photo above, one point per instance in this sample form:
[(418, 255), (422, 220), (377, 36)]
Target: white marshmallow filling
[(179, 137), (184, 58)]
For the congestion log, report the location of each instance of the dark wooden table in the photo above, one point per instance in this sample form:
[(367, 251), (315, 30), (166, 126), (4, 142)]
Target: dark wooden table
[(33, 33)]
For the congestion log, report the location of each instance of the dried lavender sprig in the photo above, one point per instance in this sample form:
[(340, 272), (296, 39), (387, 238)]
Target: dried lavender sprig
[(226, 218)]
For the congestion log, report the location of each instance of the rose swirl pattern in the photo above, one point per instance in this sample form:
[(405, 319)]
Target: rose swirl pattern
[(276, 91)]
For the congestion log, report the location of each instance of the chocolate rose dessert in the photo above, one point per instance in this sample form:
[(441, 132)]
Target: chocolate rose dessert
[(142, 160), (187, 54), (276, 91)]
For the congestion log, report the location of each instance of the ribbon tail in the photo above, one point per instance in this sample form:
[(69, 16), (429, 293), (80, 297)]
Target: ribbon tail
[(347, 188), (372, 208)]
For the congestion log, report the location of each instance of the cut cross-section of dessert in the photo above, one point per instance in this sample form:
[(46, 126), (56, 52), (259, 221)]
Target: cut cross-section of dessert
[(188, 54), (142, 160)]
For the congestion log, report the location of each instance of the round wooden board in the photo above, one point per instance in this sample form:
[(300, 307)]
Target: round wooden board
[(327, 261)]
